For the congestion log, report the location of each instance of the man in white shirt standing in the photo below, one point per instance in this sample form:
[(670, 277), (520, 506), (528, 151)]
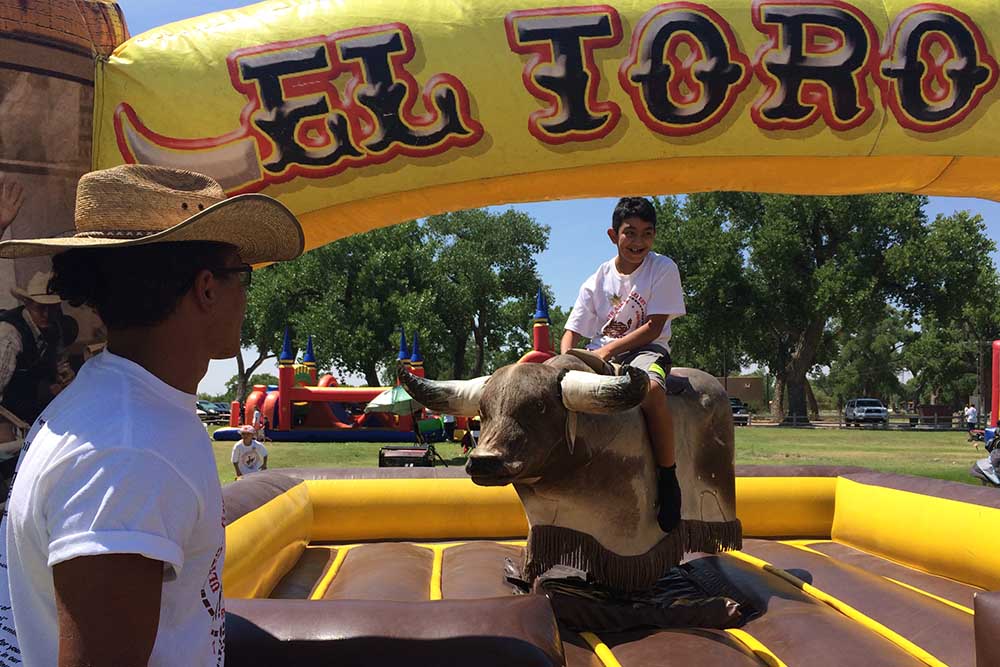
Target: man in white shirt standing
[(625, 309), (248, 454), (115, 542)]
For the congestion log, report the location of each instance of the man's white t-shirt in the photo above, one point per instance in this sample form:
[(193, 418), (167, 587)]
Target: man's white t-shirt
[(249, 458), (118, 463), (611, 305), (971, 414)]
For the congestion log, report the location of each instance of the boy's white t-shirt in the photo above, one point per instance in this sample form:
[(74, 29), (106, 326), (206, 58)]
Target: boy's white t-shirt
[(118, 463), (611, 305), (249, 458)]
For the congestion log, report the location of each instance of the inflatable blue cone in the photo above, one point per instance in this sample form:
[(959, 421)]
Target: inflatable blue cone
[(403, 353), (309, 357), (541, 307), (287, 356), (416, 357)]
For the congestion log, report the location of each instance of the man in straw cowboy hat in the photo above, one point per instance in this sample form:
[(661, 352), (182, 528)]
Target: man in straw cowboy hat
[(114, 541)]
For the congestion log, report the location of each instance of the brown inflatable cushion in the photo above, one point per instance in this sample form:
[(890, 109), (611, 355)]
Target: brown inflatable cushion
[(494, 632)]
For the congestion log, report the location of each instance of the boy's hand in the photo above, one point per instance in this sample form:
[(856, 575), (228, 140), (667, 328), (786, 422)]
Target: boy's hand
[(604, 353)]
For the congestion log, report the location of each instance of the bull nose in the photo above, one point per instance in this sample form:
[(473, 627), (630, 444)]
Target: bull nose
[(488, 465)]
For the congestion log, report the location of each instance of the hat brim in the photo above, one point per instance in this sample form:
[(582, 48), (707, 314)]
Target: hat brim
[(260, 227), (43, 299)]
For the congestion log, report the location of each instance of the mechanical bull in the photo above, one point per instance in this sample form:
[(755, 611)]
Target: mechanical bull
[(573, 443)]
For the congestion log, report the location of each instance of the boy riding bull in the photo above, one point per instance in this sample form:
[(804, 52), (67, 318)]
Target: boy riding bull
[(625, 309)]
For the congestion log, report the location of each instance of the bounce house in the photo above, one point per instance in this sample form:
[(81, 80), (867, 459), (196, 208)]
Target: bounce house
[(302, 408), (365, 113)]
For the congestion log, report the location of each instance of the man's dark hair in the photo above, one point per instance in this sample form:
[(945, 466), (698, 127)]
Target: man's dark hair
[(133, 286), (633, 207)]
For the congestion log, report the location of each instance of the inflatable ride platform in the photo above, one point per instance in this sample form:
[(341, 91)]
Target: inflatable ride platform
[(406, 567)]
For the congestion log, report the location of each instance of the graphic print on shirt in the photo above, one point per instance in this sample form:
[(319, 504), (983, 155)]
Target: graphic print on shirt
[(211, 597), (626, 315), (249, 460), (10, 653)]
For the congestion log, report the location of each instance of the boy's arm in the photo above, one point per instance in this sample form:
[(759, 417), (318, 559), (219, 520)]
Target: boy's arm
[(264, 467), (644, 335), (569, 341), (237, 469)]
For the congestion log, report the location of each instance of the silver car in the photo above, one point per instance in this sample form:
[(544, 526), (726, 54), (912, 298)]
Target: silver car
[(862, 410)]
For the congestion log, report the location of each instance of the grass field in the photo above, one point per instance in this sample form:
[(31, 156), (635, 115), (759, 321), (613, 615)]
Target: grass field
[(944, 455)]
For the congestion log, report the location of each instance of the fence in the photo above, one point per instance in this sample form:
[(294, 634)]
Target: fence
[(897, 421)]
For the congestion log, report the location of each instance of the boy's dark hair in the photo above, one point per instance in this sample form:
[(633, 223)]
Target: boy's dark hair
[(133, 286), (633, 207)]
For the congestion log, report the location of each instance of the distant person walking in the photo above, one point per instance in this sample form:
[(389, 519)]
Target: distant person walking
[(971, 417)]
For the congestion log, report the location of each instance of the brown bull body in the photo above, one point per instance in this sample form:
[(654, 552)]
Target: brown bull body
[(587, 477)]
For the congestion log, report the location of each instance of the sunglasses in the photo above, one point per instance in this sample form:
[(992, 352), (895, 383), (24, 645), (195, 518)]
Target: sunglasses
[(244, 271)]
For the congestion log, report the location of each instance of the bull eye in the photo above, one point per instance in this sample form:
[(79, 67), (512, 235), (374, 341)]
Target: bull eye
[(540, 406)]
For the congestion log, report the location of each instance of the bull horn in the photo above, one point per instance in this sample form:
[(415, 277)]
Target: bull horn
[(603, 394), (452, 397)]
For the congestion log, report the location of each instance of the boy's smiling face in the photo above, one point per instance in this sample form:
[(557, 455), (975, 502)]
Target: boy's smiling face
[(634, 240)]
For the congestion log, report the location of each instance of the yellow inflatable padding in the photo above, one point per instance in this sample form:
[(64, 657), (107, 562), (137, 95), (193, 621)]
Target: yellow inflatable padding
[(263, 545), (785, 506), (374, 509), (920, 531), (255, 134)]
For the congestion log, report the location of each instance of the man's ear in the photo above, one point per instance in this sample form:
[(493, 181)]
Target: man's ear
[(205, 290), (613, 235)]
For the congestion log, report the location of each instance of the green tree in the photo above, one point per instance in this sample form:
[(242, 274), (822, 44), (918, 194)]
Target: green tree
[(363, 284), (483, 262), (710, 258), (276, 296), (870, 360), (952, 286), (808, 261)]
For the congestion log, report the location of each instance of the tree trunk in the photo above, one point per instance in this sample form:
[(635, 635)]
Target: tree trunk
[(371, 375), (803, 354), (796, 387), (811, 400), (777, 411), (479, 338), (458, 359), (245, 373), (241, 384)]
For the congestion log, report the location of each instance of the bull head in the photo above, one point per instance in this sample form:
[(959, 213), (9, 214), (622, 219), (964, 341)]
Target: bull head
[(581, 392), (527, 411)]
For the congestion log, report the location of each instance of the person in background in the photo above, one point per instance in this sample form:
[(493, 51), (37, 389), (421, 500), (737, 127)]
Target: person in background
[(249, 455), (31, 370), (971, 417)]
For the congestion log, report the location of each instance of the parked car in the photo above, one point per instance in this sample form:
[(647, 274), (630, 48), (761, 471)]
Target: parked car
[(212, 413), (865, 410), (741, 412)]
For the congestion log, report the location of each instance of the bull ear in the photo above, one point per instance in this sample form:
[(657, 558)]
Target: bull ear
[(452, 397), (602, 394)]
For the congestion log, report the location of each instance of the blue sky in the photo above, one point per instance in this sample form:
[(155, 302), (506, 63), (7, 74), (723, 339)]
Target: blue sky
[(577, 243)]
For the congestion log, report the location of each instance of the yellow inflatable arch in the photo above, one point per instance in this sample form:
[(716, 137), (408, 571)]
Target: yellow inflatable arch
[(364, 113)]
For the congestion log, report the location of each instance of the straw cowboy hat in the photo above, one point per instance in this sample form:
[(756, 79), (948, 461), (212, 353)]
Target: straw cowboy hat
[(136, 204), (37, 290)]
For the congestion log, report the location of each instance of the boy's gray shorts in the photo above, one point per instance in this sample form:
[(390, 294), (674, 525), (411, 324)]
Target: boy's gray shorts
[(654, 359)]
